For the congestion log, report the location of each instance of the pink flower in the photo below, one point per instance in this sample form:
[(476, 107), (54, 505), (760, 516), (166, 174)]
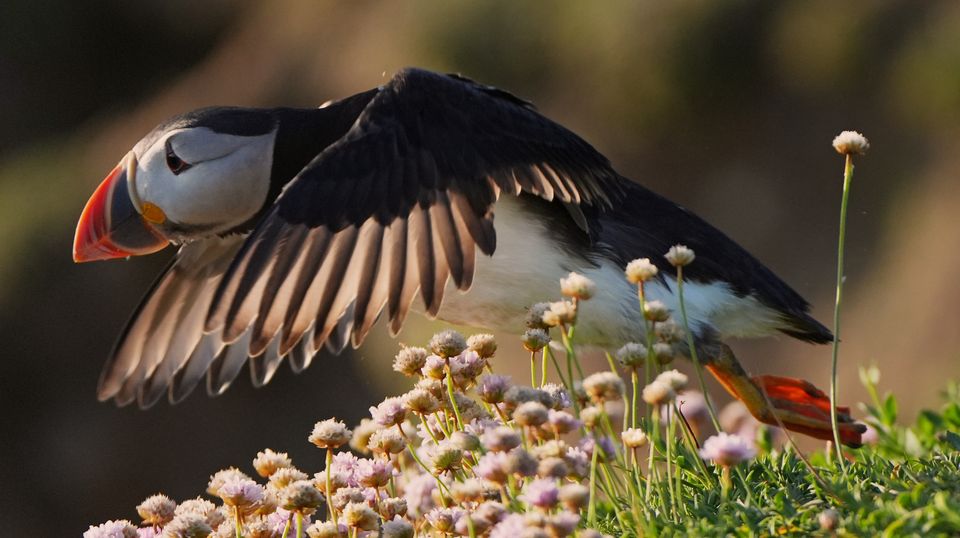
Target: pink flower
[(390, 412), (511, 526), (241, 492), (419, 495), (466, 367), (542, 493), (726, 450), (112, 529), (492, 387), (562, 422), (493, 466), (373, 473)]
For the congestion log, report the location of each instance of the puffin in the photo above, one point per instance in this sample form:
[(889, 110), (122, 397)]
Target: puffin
[(299, 228)]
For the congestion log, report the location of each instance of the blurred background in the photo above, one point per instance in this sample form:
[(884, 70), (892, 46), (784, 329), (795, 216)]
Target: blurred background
[(728, 108)]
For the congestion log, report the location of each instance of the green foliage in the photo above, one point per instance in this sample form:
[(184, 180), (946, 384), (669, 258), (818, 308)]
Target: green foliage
[(907, 484)]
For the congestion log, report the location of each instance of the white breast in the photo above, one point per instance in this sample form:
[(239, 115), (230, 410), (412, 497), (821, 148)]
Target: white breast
[(528, 265)]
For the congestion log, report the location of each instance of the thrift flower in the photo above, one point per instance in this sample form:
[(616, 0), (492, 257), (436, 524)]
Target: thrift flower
[(421, 402), (574, 496), (632, 355), (374, 473), (325, 529), (392, 507), (501, 439), (851, 143), (466, 367), (361, 435), (578, 460), (562, 422), (446, 457), (553, 467), (465, 441), (240, 493), (389, 412), (829, 519), (330, 433), (448, 343), (360, 516), (387, 441), (679, 256), (669, 331), (435, 367), (187, 526), (530, 414), (444, 519), (560, 313), (301, 496), (202, 507), (542, 493), (521, 463), (419, 495), (492, 466), (535, 339), (112, 529), (562, 524), (640, 270), (663, 353), (603, 386), (633, 438), (559, 397), (656, 311), (591, 416), (397, 528), (491, 511), (484, 345), (267, 462), (535, 316), (577, 286), (157, 510), (658, 393), (282, 478), (676, 380), (726, 450), (410, 360), (345, 496), (217, 479), (470, 490), (492, 388)]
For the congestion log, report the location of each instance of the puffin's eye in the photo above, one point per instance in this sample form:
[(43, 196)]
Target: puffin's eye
[(174, 163)]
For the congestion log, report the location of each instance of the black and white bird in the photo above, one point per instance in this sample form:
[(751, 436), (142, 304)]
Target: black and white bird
[(299, 228)]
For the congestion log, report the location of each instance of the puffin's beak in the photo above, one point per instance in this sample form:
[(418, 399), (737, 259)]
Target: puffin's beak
[(110, 225)]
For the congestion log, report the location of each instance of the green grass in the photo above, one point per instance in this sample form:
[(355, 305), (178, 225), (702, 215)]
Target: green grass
[(908, 483)]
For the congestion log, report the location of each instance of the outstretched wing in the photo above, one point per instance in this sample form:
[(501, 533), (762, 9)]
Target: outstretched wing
[(165, 334), (399, 204)]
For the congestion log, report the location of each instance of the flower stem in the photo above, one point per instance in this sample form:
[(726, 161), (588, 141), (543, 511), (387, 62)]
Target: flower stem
[(453, 402), (693, 351), (592, 511), (237, 521), (847, 179), (543, 368), (533, 369), (299, 525), (725, 482), (331, 513)]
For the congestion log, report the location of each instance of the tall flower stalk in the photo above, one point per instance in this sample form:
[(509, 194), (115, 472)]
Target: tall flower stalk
[(847, 143)]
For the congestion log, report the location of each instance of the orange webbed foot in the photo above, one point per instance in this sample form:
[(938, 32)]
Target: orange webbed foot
[(804, 408)]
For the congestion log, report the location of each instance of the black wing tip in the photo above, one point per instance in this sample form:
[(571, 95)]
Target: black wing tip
[(804, 327)]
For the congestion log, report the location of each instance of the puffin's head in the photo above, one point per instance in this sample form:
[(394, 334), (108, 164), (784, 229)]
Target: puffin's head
[(200, 174)]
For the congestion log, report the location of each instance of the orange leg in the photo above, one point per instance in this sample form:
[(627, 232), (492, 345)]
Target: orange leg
[(800, 405)]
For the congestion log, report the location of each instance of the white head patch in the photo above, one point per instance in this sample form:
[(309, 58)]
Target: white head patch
[(225, 183)]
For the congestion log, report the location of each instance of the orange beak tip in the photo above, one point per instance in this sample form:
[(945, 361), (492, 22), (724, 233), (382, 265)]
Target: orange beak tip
[(111, 227)]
